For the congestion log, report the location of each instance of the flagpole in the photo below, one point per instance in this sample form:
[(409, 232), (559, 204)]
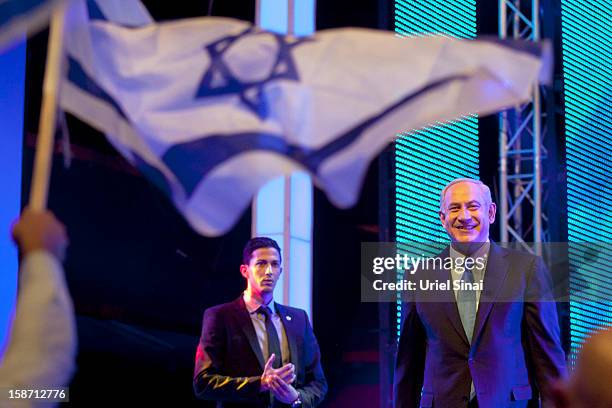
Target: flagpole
[(46, 126)]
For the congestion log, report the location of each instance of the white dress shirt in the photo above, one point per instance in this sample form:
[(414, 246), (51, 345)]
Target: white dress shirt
[(479, 273)]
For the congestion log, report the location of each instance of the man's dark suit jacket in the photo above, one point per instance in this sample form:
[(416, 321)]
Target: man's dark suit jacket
[(229, 361), (515, 347)]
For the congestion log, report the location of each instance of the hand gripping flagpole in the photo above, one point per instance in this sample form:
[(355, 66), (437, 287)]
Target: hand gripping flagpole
[(46, 126)]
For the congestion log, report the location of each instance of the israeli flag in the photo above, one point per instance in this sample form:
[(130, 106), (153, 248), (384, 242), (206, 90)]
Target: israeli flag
[(210, 109)]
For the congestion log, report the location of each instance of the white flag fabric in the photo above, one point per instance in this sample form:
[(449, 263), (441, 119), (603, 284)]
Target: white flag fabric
[(210, 109)]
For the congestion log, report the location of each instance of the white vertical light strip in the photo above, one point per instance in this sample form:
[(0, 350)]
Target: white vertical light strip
[(283, 208), (12, 88), (304, 22), (269, 221), (300, 226), (273, 15)]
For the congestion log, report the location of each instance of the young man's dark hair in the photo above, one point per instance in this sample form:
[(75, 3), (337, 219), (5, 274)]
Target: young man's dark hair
[(254, 244)]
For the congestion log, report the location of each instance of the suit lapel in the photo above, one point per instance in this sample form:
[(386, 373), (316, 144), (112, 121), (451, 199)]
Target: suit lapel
[(245, 323), (495, 275), (449, 303), (291, 331)]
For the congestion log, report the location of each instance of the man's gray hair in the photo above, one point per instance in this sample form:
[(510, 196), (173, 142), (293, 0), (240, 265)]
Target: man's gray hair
[(486, 192)]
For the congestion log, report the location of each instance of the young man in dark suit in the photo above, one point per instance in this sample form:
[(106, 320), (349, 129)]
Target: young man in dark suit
[(254, 352), (498, 346)]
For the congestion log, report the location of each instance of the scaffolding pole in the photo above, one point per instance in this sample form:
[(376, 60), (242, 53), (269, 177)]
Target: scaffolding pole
[(521, 136)]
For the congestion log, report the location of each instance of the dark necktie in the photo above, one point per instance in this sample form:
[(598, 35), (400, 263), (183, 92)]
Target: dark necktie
[(273, 343), (466, 303)]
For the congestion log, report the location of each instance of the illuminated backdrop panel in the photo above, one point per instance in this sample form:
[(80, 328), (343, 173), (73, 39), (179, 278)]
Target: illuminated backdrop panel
[(587, 70), (426, 160)]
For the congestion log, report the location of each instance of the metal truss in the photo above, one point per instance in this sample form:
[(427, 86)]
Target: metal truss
[(521, 136)]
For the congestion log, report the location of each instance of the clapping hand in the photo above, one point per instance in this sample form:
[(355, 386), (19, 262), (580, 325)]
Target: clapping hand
[(286, 374), (279, 380)]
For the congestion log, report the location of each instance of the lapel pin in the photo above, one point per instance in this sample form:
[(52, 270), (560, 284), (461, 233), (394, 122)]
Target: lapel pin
[(288, 318)]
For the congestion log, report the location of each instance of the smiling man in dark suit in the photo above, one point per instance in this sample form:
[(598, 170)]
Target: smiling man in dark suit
[(489, 348), (255, 353)]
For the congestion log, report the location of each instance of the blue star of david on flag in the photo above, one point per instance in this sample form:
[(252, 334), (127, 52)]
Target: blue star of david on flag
[(220, 80)]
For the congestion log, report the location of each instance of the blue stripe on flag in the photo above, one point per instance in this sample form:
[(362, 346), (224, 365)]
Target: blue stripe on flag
[(131, 14), (17, 8), (78, 76), (152, 174), (94, 11), (316, 158), (192, 161)]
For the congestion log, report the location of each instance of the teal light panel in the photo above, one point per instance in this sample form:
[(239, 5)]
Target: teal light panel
[(587, 70), (428, 159)]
